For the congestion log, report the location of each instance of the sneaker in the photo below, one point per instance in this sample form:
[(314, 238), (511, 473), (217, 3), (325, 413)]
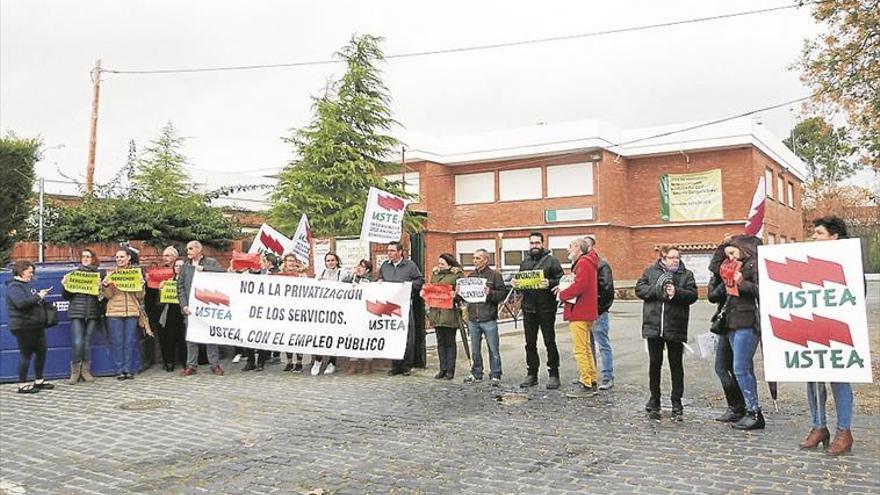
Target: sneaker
[(732, 415), (188, 371), (217, 370), (330, 369), (298, 368), (236, 358), (495, 381), (289, 367), (606, 384), (751, 421), (472, 379), (120, 376), (581, 391), (316, 368), (28, 389)]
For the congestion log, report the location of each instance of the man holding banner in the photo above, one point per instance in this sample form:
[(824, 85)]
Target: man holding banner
[(398, 269), (539, 310), (196, 262)]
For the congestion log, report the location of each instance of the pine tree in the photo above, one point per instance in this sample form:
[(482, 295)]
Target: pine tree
[(343, 152), (159, 174)]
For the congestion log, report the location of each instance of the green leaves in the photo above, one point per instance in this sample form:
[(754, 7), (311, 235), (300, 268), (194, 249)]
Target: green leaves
[(342, 152), (17, 159)]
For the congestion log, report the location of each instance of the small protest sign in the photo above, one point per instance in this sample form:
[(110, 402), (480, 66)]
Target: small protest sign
[(529, 279), (245, 261), (564, 283), (472, 289), (383, 217), (438, 295), (82, 282), (156, 275), (269, 240), (127, 279), (168, 292)]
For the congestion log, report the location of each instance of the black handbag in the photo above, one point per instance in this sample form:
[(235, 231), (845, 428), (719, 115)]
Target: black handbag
[(51, 313), (719, 319)]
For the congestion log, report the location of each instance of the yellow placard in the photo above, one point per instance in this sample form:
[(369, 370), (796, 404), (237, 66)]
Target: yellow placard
[(528, 279), (127, 279), (82, 282), (689, 197), (168, 292)]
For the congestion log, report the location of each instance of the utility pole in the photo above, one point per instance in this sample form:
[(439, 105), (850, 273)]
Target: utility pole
[(93, 134), (403, 166)]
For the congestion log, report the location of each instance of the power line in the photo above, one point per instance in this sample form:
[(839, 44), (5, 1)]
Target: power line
[(475, 47)]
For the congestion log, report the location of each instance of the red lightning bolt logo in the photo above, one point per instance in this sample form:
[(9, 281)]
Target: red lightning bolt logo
[(383, 308), (797, 273), (212, 297), (820, 330), (391, 202), (271, 243)]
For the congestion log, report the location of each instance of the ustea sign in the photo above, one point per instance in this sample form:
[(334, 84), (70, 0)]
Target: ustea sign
[(813, 319)]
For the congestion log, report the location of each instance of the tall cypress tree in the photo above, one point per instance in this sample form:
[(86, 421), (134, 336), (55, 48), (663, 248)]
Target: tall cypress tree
[(343, 152)]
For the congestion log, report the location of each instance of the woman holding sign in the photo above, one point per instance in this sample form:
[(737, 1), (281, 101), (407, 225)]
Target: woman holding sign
[(740, 275), (171, 328), (443, 312), (124, 290), (81, 289)]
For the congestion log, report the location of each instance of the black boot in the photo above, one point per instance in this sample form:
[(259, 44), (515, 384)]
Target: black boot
[(751, 421), (732, 415), (530, 381), (653, 408), (450, 361), (441, 356)]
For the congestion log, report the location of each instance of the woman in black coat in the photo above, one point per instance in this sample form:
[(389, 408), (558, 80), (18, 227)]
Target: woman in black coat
[(27, 322), (740, 275), (736, 406), (85, 317), (668, 289), (172, 331)]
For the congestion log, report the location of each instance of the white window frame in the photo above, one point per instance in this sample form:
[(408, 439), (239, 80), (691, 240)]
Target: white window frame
[(470, 246), (569, 180), (562, 242), (512, 244), (790, 201), (520, 184), (471, 189), (768, 182), (780, 189)]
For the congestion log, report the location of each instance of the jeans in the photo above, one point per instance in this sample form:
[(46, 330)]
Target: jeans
[(843, 401), (724, 370), (744, 342), (600, 339), (582, 350), (547, 322), (81, 331), (477, 329), (124, 331), (655, 355)]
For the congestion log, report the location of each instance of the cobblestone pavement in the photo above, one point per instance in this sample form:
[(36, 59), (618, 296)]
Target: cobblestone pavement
[(274, 432)]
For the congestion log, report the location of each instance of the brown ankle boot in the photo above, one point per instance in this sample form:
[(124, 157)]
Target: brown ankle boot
[(74, 373), (816, 436), (841, 444), (87, 371)]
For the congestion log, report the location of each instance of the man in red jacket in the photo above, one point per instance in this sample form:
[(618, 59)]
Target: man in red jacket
[(580, 310)]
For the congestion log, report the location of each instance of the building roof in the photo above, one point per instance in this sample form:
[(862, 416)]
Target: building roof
[(595, 135)]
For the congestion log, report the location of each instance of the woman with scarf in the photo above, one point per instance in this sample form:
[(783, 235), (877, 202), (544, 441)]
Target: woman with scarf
[(85, 318), (740, 275), (172, 331), (123, 311), (668, 289), (445, 321)]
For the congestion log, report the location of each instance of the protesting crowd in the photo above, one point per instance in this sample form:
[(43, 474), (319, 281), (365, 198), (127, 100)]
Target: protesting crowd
[(667, 288)]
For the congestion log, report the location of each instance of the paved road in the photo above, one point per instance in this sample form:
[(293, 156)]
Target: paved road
[(278, 433)]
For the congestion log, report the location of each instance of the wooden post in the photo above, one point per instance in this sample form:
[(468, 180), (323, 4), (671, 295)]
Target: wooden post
[(93, 133)]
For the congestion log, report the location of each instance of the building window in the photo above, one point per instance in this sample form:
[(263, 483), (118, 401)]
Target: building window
[(475, 188), (791, 194), (782, 239), (780, 189), (465, 251), (518, 184), (513, 252), (570, 180), (771, 238), (559, 247), (768, 182)]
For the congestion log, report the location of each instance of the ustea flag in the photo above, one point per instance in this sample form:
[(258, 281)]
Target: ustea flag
[(269, 240), (383, 217)]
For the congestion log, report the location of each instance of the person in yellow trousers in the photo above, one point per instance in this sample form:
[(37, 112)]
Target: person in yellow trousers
[(581, 309)]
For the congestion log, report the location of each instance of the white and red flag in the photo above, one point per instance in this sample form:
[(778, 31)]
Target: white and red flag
[(383, 217), (755, 221), (302, 240), (269, 240)]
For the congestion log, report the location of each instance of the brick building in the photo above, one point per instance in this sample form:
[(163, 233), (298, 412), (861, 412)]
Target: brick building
[(588, 177)]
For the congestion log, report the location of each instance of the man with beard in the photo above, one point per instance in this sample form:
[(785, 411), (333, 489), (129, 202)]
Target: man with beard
[(539, 311)]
